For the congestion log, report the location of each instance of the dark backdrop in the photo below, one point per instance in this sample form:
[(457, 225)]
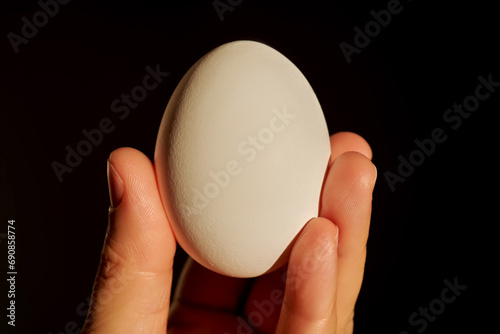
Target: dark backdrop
[(61, 78)]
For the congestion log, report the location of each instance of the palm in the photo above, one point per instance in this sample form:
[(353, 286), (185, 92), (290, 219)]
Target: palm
[(207, 300)]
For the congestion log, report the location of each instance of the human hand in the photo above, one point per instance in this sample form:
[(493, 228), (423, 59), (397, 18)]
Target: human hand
[(315, 293)]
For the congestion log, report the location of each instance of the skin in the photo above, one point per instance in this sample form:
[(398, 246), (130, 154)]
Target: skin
[(315, 292)]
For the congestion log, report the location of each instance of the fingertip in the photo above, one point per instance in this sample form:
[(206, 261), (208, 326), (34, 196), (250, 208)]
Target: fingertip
[(345, 141), (124, 157), (350, 168), (318, 229), (315, 244), (139, 181)]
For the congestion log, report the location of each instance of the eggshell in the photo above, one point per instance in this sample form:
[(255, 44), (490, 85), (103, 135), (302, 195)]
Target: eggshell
[(240, 158)]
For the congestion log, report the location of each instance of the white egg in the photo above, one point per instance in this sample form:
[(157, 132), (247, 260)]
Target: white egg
[(240, 158)]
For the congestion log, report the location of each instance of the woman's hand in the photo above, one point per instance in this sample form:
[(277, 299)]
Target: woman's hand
[(315, 293)]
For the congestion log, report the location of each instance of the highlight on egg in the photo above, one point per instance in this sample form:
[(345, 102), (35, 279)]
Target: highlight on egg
[(240, 158)]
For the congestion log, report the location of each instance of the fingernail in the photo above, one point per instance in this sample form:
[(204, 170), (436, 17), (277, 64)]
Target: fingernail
[(374, 177), (115, 184)]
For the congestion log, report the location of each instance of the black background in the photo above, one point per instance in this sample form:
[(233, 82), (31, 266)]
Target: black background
[(437, 225)]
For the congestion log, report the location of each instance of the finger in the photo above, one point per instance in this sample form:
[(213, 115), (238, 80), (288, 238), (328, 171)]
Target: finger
[(311, 285), (132, 287), (342, 142), (346, 201)]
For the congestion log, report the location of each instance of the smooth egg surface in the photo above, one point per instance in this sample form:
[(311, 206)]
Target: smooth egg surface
[(240, 158)]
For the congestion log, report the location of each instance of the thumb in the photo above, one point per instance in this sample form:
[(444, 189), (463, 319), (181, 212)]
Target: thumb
[(131, 292)]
